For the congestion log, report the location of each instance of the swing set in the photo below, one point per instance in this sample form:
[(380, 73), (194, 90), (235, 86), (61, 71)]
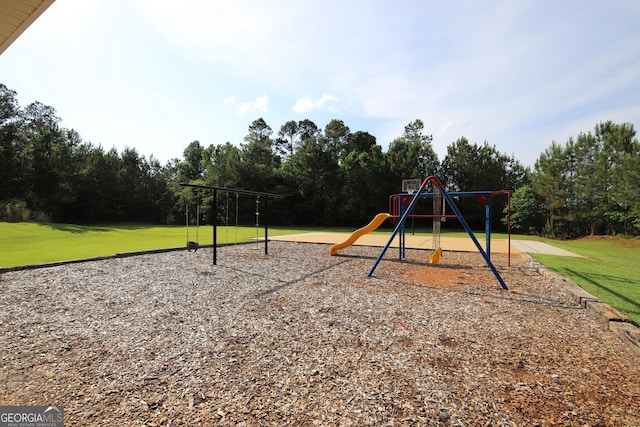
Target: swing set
[(401, 208), (194, 245)]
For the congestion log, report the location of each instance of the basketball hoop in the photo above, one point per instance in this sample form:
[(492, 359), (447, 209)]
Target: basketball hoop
[(410, 185)]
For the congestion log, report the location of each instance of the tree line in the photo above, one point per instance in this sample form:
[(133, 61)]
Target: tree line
[(329, 176), (588, 186)]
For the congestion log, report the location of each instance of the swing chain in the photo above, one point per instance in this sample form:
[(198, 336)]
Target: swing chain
[(257, 211), (193, 245)]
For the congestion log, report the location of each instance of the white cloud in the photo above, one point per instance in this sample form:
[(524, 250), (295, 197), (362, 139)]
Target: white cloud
[(516, 74), (260, 104), (450, 125), (307, 104)]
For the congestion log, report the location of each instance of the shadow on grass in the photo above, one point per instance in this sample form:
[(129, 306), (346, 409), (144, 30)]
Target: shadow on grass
[(74, 229), (608, 289), (80, 229)]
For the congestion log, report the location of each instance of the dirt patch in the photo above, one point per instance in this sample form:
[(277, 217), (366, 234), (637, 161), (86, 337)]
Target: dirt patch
[(450, 272), (435, 275), (302, 338), (629, 243)]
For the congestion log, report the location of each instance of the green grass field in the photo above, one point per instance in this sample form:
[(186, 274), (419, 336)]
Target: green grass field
[(610, 271), (26, 243)]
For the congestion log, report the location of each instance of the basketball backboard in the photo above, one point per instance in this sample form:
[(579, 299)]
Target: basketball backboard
[(410, 185)]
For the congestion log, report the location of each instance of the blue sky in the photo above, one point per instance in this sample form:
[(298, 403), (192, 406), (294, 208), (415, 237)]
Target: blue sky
[(157, 74)]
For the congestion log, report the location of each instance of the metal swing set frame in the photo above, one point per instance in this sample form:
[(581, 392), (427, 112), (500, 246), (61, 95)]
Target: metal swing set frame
[(406, 213), (215, 190)]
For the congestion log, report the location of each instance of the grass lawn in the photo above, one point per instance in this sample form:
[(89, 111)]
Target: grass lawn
[(611, 271), (26, 243)]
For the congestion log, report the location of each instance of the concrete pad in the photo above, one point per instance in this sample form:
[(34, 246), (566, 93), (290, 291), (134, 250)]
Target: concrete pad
[(537, 247)]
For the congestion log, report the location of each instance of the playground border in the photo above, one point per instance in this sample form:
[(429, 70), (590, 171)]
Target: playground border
[(116, 255), (98, 258), (612, 320)]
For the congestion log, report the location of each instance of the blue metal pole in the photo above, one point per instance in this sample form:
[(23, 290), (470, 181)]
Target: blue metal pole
[(401, 234), (399, 226), (401, 246), (487, 226), (473, 237)]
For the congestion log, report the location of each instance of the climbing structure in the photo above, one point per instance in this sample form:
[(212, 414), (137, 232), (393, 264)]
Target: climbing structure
[(438, 188)]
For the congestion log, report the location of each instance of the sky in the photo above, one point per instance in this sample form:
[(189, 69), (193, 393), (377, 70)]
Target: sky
[(155, 75)]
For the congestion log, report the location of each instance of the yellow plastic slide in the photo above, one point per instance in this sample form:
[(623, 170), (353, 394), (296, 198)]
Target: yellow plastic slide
[(375, 223)]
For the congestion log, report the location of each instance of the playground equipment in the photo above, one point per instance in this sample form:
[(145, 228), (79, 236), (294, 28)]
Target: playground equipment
[(401, 211), (398, 204), (226, 216), (436, 249), (237, 192), (257, 219), (375, 223), (193, 245)]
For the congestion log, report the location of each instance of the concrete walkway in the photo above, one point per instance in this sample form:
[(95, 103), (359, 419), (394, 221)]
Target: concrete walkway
[(537, 247), (425, 242)]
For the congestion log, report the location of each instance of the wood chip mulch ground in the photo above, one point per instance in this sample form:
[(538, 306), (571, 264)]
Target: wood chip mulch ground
[(301, 338)]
